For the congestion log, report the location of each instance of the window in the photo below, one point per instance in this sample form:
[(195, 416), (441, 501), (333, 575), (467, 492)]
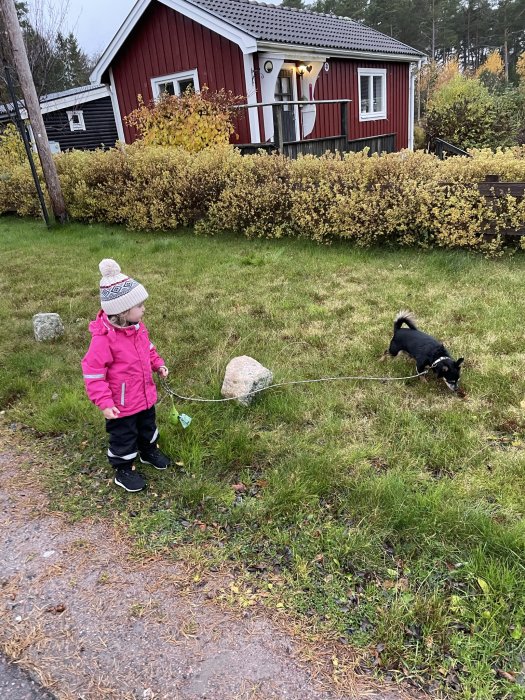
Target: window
[(372, 93), (76, 120), (175, 84)]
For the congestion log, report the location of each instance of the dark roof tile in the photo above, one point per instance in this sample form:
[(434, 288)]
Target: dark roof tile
[(267, 22)]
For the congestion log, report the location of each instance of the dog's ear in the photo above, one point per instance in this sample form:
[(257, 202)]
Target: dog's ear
[(460, 361)]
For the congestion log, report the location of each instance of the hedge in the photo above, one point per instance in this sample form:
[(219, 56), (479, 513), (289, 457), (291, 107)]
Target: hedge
[(406, 198)]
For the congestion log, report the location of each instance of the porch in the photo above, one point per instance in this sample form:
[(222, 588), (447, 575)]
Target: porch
[(282, 118)]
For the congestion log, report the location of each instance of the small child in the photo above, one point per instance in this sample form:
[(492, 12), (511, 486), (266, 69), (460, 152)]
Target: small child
[(118, 376)]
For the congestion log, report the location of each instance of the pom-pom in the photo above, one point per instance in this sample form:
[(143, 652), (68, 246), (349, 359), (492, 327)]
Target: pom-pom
[(109, 268)]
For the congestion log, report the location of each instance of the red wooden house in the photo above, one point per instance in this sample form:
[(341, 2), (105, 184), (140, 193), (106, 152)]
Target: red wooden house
[(311, 62)]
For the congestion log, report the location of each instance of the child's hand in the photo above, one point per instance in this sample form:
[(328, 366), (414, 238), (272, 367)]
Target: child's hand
[(163, 372), (111, 413)]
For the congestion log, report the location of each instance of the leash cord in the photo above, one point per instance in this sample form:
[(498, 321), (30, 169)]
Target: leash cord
[(274, 386)]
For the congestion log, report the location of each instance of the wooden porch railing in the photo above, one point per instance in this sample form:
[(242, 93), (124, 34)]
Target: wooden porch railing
[(439, 147), (292, 149)]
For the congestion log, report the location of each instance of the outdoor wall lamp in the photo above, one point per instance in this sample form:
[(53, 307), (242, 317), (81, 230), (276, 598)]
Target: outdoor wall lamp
[(303, 68)]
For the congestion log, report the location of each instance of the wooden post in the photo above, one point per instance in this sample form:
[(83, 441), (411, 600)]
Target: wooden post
[(32, 104), (344, 119), (278, 137)]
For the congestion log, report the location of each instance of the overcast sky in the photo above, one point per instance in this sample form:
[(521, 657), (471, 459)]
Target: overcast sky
[(95, 22)]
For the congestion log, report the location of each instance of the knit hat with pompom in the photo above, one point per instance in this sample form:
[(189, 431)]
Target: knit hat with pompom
[(118, 292)]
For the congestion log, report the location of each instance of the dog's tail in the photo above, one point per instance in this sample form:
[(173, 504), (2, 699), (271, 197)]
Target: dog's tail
[(406, 317)]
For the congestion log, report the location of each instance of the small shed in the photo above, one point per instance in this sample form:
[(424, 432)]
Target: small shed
[(81, 118)]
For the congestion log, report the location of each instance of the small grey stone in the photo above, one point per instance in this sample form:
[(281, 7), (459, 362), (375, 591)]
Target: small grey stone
[(244, 375), (47, 326)]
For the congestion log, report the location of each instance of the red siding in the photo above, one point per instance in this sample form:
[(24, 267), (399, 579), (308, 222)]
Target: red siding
[(165, 42), (340, 82)]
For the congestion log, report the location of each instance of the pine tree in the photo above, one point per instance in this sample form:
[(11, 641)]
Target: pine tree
[(75, 65), (355, 9), (296, 4)]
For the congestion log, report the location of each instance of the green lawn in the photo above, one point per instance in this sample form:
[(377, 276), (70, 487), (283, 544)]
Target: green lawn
[(389, 512)]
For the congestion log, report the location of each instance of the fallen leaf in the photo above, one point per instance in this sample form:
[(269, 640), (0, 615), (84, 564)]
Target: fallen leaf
[(506, 675), (56, 609), (484, 586)]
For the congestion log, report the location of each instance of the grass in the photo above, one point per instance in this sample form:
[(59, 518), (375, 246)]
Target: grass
[(391, 513)]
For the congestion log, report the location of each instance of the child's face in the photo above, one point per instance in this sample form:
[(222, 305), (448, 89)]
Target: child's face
[(135, 314)]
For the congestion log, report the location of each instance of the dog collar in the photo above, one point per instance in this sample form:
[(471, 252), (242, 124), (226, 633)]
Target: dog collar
[(440, 359)]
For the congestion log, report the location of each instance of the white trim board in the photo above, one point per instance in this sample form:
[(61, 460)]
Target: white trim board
[(116, 107), (298, 52), (76, 100), (251, 97)]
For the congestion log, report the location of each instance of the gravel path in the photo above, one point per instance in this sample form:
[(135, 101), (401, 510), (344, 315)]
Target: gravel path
[(91, 623)]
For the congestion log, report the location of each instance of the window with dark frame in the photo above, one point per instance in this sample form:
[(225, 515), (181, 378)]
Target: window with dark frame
[(175, 87), (76, 120)]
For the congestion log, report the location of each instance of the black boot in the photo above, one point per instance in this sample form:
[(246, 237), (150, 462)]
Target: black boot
[(156, 458), (130, 480)]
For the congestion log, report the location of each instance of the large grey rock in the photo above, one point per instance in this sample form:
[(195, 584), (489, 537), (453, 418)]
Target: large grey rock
[(47, 326), (244, 374)]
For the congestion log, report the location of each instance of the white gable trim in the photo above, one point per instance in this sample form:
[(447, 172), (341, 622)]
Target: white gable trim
[(251, 98), (76, 100), (315, 52), (245, 41), (116, 107)]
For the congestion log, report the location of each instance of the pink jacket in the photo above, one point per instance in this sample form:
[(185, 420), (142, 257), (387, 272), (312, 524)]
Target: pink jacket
[(118, 367)]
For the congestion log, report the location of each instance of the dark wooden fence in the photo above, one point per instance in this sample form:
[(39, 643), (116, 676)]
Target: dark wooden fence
[(492, 189), (386, 143), (441, 148)]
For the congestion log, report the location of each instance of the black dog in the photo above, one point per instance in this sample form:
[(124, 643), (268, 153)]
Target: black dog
[(426, 350)]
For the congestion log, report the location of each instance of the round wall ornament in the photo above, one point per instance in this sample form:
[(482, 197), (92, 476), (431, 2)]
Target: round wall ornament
[(326, 66), (268, 66)]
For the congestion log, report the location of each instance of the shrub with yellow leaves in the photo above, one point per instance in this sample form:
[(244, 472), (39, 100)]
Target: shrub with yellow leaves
[(406, 198), (193, 120), (12, 151)]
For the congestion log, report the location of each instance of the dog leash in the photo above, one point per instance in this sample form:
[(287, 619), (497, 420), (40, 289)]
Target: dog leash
[(199, 399)]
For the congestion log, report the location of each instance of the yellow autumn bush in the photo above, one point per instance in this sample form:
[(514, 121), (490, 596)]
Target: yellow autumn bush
[(254, 200), (17, 190), (192, 121), (406, 198), (12, 151)]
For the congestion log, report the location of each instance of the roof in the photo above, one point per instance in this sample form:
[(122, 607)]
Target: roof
[(252, 24), (61, 100), (267, 22), (66, 93)]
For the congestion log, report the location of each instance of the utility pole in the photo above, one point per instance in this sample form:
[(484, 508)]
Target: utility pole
[(22, 131), (16, 41)]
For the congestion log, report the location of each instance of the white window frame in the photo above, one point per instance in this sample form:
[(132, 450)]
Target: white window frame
[(371, 73), (76, 126), (176, 78)]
